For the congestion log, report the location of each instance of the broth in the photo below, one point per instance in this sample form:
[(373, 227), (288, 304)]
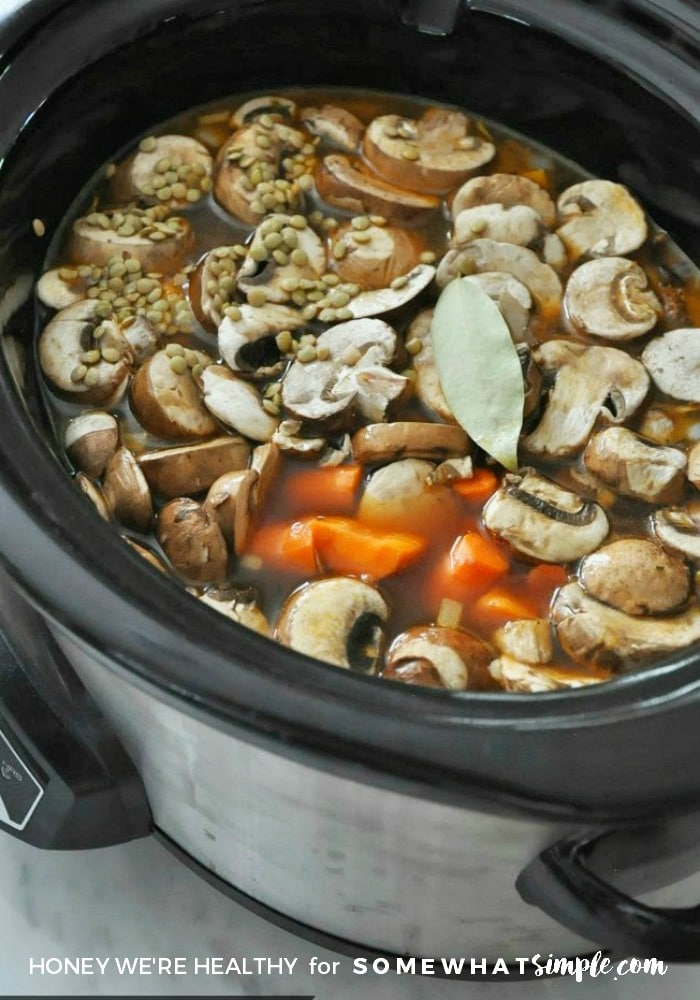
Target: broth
[(429, 591)]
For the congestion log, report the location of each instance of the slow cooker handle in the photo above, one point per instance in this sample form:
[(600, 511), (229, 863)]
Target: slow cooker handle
[(65, 781), (561, 882)]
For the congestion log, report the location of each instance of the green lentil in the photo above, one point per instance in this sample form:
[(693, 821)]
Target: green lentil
[(111, 354), (414, 346), (306, 354)]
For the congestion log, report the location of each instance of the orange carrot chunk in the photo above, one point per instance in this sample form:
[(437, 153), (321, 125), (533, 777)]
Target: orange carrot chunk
[(500, 604), (288, 546), (325, 490), (479, 488), (475, 560), (345, 545)]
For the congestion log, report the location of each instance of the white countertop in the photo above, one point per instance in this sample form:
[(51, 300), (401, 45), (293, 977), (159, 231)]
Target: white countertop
[(137, 900)]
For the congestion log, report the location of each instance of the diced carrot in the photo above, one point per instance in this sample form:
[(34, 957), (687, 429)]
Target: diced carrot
[(345, 545), (479, 488), (471, 566), (501, 604), (474, 559), (288, 546), (542, 581), (539, 176), (324, 490)]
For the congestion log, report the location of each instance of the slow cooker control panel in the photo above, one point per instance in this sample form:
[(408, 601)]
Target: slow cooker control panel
[(65, 780), (20, 791)]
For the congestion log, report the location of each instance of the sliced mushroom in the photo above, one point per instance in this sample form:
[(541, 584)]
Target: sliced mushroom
[(142, 339), (635, 468), (192, 541), (693, 469), (92, 492), (339, 182), (56, 291), (249, 179), (287, 439), (338, 620), (421, 672), (166, 399), (401, 291), (524, 264), (336, 126), (518, 224), (592, 632), (239, 605), (532, 380), (408, 439), (401, 497), (255, 323), (281, 256), (610, 298), (427, 381), (601, 219), (277, 108), (160, 242), (673, 361), (590, 383), (679, 529), (372, 256), (230, 501), (90, 440), (553, 252), (84, 356), (377, 388), (451, 470), (540, 519), (236, 403), (338, 454), (506, 190), (174, 170), (192, 468), (126, 492), (266, 461), (434, 153), (324, 391), (637, 576), (517, 677), (528, 640), (148, 554), (460, 658), (212, 286)]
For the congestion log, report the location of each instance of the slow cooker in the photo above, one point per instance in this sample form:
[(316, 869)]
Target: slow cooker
[(372, 817)]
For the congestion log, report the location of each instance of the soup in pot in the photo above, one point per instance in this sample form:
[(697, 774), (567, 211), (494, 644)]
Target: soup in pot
[(387, 383)]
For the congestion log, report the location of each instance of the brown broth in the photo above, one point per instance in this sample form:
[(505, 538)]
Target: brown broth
[(414, 595)]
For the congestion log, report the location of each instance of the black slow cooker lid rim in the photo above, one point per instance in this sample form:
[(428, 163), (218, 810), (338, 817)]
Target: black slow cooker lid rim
[(293, 675)]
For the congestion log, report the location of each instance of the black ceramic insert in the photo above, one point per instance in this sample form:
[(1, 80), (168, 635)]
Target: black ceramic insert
[(78, 81)]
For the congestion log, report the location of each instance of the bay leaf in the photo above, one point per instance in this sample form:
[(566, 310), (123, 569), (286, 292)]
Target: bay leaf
[(479, 369)]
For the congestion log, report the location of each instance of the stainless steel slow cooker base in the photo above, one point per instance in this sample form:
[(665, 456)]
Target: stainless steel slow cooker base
[(363, 863), (386, 870)]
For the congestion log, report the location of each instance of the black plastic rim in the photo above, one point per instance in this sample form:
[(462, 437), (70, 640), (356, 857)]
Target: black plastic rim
[(508, 751)]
